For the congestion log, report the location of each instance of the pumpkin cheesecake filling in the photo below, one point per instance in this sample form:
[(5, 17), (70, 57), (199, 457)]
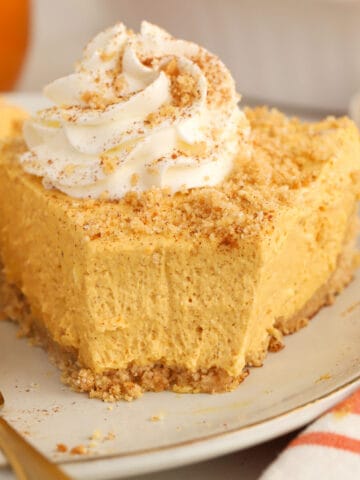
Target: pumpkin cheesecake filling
[(154, 286)]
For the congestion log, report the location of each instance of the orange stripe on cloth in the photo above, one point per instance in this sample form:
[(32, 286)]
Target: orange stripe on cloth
[(350, 404), (327, 439)]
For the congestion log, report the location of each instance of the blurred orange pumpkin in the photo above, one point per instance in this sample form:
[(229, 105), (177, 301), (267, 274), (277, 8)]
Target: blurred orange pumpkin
[(14, 32)]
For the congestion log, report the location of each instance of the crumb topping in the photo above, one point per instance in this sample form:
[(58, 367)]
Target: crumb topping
[(134, 179), (108, 164), (166, 111), (183, 85), (286, 156)]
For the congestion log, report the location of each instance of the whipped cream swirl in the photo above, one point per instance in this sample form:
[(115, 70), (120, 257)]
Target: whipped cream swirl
[(141, 110)]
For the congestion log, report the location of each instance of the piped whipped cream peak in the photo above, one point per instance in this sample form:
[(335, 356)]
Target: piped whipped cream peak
[(141, 110)]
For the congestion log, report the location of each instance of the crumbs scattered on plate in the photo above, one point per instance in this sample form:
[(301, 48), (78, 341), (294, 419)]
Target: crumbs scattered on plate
[(326, 376), (95, 439), (158, 417), (350, 309), (79, 450)]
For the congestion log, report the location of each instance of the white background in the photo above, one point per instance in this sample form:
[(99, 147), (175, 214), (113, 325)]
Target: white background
[(284, 52)]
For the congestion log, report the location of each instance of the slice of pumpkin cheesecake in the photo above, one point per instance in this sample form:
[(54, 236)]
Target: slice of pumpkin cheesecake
[(171, 252), (184, 291)]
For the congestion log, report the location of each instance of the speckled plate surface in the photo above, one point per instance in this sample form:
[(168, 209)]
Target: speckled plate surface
[(318, 367)]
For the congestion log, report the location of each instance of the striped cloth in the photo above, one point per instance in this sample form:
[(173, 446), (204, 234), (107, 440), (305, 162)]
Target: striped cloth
[(328, 449)]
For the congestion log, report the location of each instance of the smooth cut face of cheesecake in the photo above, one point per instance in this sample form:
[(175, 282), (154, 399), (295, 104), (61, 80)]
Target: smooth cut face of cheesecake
[(183, 291)]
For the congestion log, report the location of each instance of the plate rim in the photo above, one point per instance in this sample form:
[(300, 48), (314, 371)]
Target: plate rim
[(154, 463)]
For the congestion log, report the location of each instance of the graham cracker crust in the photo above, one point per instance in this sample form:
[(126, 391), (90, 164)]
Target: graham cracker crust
[(130, 383)]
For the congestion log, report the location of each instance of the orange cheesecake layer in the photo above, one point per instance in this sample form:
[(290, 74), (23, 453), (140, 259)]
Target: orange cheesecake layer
[(129, 383), (195, 282)]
